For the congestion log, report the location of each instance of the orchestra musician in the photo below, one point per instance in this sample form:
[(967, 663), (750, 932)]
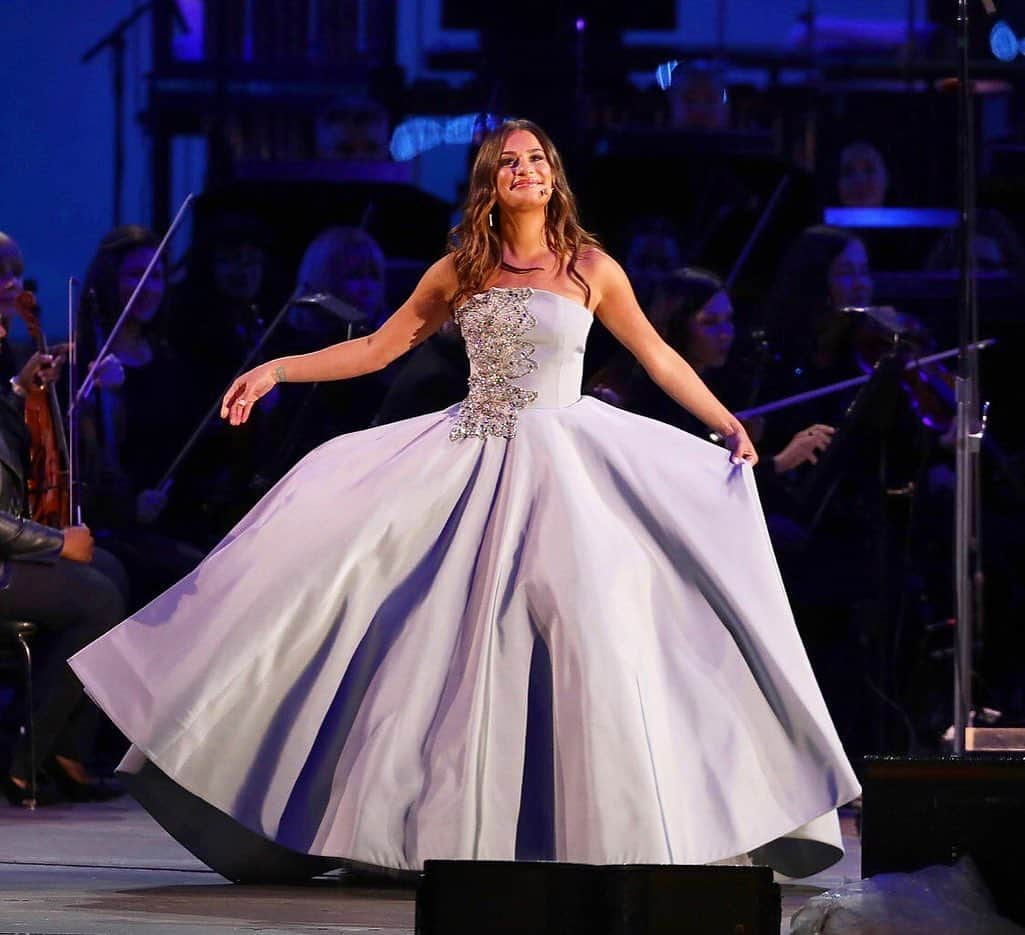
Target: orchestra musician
[(52, 577), (853, 567), (692, 310), (343, 271), (125, 448)]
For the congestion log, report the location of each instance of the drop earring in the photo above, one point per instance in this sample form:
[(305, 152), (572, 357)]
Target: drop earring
[(491, 219)]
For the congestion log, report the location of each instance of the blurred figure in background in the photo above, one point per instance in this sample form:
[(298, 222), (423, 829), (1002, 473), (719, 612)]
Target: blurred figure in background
[(353, 130), (347, 264), (228, 294), (218, 313), (998, 250), (138, 415), (863, 179), (342, 280), (651, 253), (825, 270), (698, 98)]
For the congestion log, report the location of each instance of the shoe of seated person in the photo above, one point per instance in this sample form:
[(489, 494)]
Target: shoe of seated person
[(69, 788), (20, 796)]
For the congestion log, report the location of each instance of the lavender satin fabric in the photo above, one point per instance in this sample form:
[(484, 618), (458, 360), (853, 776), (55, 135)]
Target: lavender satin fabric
[(348, 673)]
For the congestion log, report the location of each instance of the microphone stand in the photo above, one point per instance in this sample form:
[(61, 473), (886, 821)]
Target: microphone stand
[(116, 42), (165, 482), (970, 426)]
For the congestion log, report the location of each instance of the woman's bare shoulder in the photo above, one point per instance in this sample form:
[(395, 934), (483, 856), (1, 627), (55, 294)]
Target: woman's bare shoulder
[(595, 261), (599, 269)]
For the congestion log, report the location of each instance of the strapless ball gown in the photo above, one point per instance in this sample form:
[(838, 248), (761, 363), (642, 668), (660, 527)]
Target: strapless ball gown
[(531, 625)]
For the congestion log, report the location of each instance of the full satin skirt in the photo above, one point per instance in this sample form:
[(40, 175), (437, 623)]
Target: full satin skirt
[(573, 645)]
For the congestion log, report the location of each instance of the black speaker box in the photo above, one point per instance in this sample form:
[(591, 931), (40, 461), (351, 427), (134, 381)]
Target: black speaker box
[(538, 898), (919, 812)]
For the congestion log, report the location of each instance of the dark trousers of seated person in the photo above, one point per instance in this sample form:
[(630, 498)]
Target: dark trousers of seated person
[(153, 561), (72, 603)]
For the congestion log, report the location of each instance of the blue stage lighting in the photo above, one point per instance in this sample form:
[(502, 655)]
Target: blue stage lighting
[(664, 74), (414, 136), (419, 134), (1005, 44)]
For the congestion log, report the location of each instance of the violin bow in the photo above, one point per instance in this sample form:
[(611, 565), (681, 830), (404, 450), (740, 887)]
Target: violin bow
[(808, 395), (74, 500), (90, 378)]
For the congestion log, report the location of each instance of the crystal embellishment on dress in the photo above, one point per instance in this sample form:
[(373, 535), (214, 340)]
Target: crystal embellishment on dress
[(493, 325)]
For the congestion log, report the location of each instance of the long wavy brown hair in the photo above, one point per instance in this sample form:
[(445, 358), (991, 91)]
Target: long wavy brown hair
[(475, 245)]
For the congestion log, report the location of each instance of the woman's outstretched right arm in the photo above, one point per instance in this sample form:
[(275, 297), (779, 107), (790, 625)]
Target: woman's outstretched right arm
[(417, 319)]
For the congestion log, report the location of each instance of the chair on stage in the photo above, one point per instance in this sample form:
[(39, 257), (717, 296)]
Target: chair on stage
[(16, 664)]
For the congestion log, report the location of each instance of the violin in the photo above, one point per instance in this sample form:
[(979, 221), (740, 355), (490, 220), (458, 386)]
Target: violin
[(928, 385), (48, 485)]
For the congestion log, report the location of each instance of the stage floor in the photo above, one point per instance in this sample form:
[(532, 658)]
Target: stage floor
[(111, 870)]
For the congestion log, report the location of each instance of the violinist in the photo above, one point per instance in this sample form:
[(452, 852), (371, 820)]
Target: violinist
[(49, 576), (856, 559), (824, 273), (138, 416), (692, 310), (825, 270)]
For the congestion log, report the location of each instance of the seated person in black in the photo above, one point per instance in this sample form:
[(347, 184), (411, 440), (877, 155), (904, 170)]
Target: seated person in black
[(49, 577)]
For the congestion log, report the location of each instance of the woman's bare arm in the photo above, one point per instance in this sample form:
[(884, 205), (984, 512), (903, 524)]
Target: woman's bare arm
[(618, 310), (417, 319)]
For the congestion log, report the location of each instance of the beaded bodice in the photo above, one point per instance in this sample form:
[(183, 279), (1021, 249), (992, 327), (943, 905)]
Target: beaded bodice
[(526, 350)]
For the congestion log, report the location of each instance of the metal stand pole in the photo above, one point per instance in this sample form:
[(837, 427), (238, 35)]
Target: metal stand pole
[(74, 494), (115, 41), (970, 425)]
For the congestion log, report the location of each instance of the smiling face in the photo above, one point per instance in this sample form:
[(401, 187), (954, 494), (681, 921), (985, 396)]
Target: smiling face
[(524, 177)]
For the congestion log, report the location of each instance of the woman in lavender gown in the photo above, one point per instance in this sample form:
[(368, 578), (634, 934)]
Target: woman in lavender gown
[(530, 625)]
